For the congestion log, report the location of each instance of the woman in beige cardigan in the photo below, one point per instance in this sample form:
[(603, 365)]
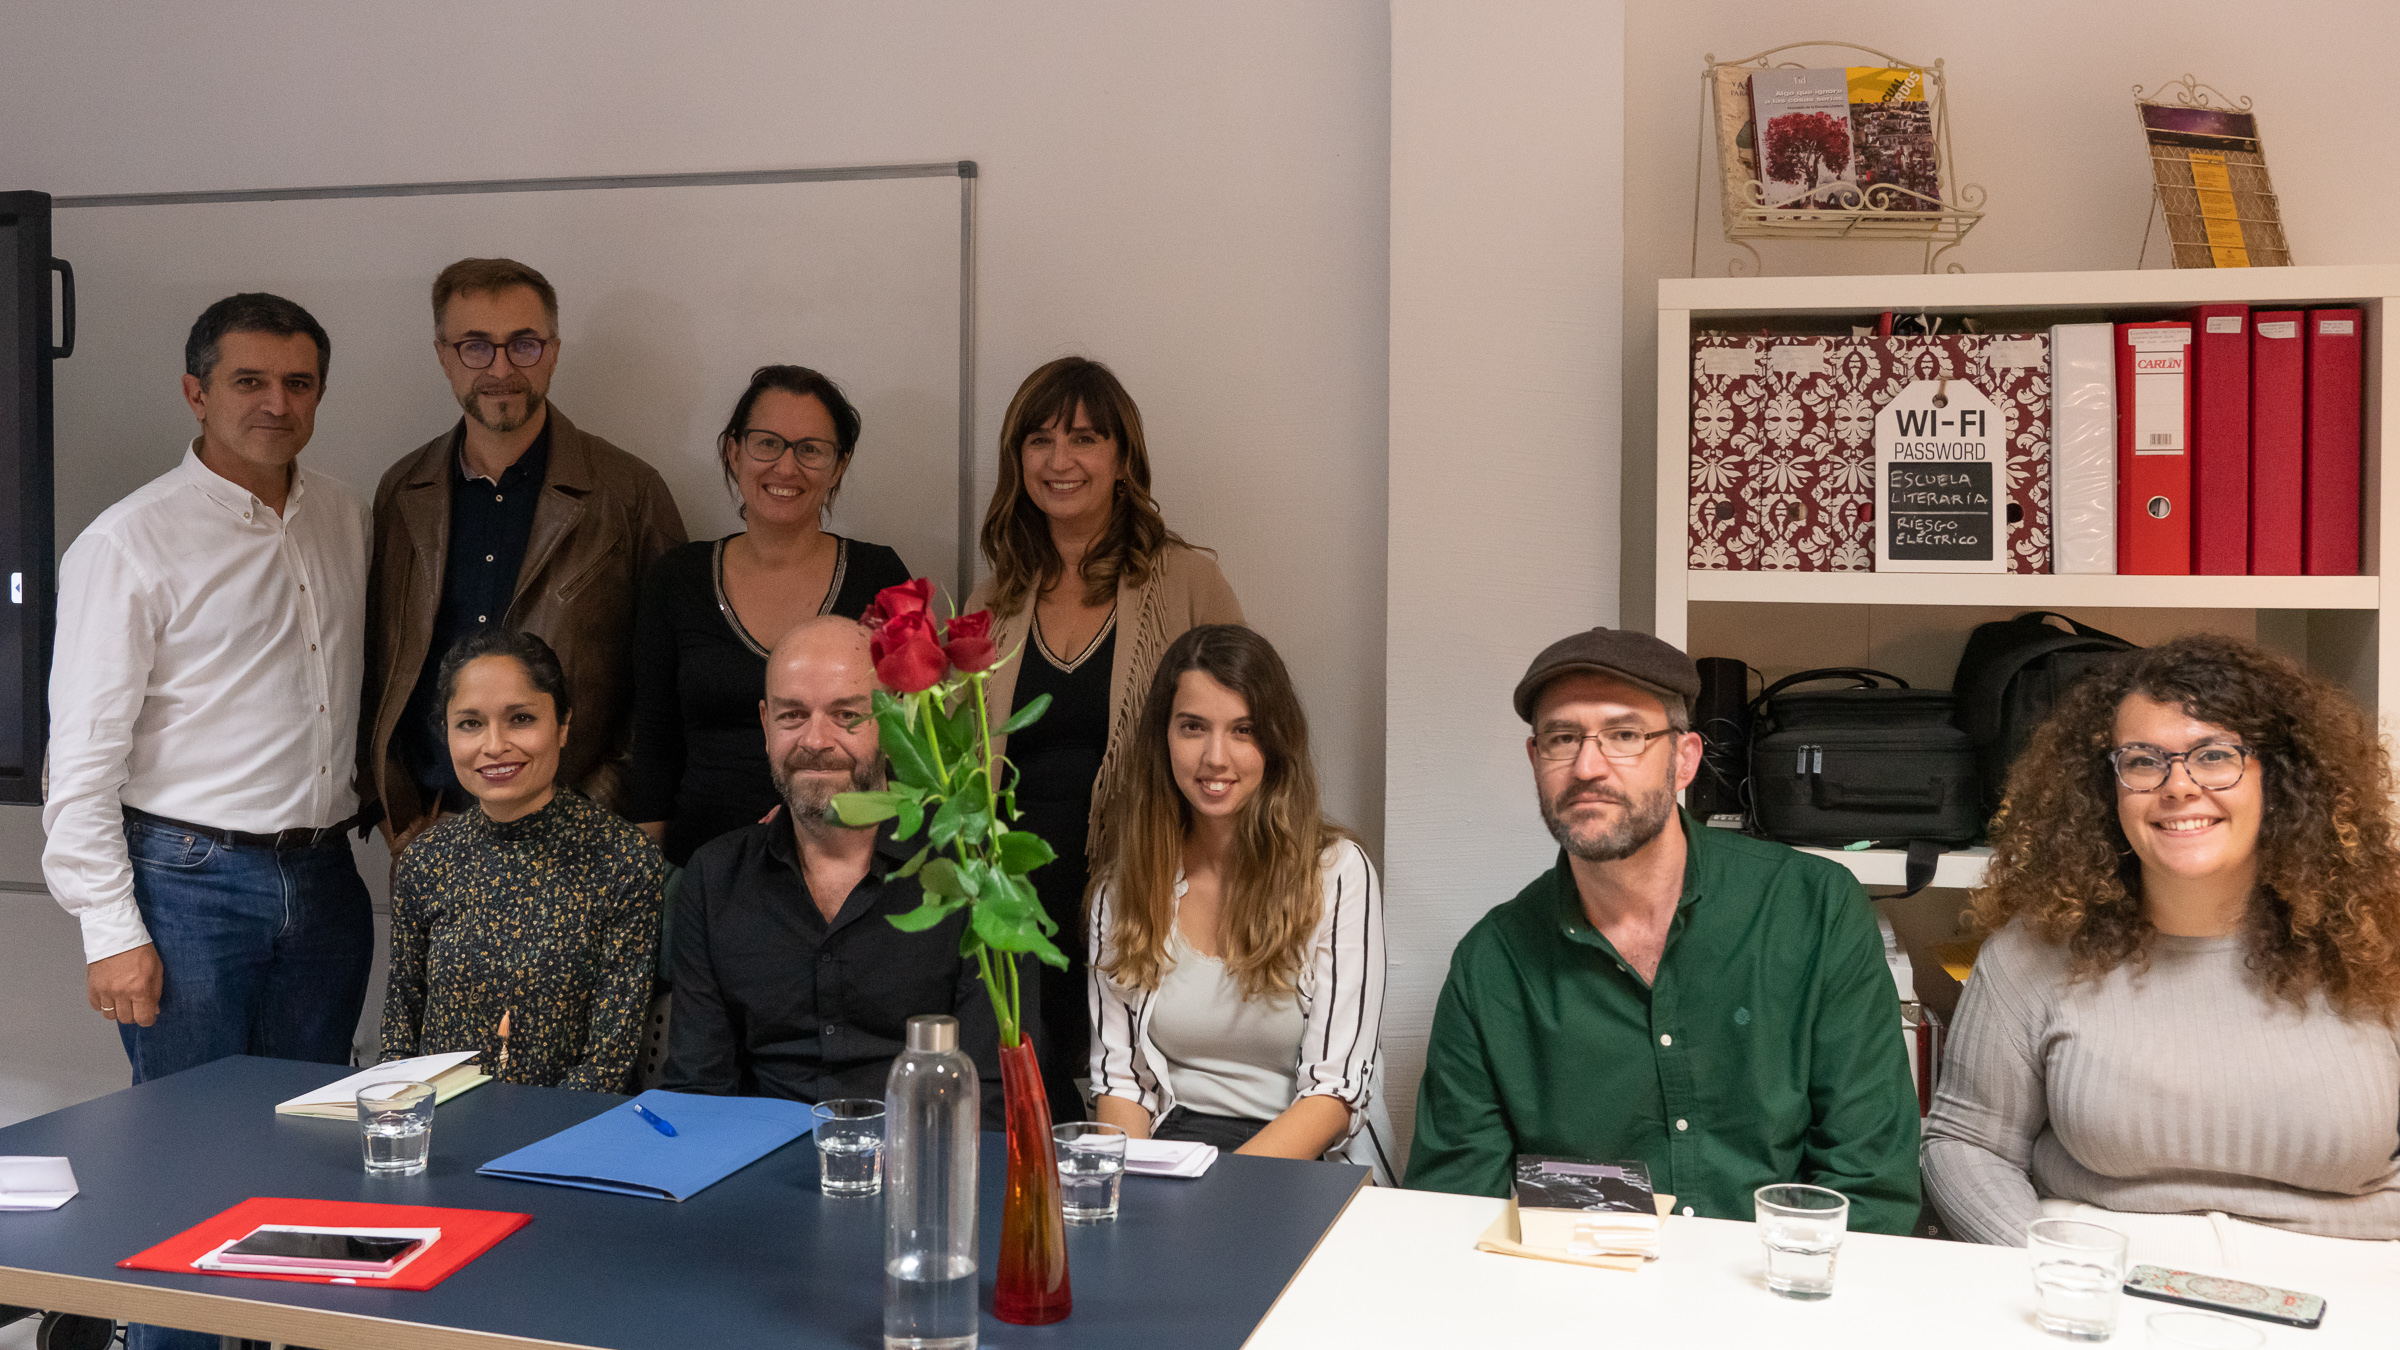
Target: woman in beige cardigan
[(1087, 576)]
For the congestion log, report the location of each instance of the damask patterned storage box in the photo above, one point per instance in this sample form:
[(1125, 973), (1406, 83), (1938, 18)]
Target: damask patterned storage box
[(1783, 443)]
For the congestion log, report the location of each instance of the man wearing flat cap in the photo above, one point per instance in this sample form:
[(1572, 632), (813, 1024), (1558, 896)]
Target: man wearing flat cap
[(1713, 1005)]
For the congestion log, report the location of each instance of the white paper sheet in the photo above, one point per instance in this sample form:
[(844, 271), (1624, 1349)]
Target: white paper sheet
[(28, 1184), (1168, 1158)]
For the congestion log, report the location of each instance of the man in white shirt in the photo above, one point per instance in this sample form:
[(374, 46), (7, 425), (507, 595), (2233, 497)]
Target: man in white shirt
[(203, 723)]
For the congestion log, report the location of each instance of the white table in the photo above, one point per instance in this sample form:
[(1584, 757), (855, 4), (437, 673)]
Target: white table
[(1400, 1269)]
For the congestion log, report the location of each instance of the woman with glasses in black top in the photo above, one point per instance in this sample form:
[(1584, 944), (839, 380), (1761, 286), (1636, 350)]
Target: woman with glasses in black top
[(711, 611)]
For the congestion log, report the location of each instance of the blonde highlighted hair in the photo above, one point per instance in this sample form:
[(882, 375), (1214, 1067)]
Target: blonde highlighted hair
[(1274, 882)]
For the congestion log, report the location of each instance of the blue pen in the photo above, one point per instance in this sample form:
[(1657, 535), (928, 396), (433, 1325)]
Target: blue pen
[(657, 1122)]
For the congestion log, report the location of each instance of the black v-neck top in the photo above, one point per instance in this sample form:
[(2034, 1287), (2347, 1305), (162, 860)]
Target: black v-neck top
[(699, 758)]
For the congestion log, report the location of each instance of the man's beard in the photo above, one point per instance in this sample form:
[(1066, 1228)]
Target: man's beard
[(810, 799), (472, 403), (1643, 817)]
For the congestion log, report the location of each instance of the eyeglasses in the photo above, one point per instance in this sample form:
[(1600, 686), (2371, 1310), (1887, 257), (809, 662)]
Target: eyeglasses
[(477, 353), (2145, 768), (765, 447), (1616, 742)]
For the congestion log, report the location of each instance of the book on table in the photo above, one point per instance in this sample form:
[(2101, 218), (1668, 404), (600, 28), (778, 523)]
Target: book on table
[(1586, 1208), (450, 1074)]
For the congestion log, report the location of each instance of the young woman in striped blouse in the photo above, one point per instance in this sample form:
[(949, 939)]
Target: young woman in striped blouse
[(1236, 938)]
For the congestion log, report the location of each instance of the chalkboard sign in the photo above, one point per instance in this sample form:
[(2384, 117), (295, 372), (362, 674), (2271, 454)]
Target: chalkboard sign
[(1938, 512), (1939, 480)]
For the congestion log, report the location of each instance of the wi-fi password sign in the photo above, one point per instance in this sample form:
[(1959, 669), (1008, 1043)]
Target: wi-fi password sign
[(1940, 498)]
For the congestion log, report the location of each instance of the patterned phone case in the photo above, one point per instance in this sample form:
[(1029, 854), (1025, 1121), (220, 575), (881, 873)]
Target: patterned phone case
[(2218, 1294)]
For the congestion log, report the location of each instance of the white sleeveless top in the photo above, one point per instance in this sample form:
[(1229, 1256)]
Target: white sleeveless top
[(1225, 1055)]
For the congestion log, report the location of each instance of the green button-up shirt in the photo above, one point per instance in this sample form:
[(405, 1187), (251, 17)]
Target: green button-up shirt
[(1767, 1048)]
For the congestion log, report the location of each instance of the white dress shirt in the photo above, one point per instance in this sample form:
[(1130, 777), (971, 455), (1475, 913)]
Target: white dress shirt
[(207, 668)]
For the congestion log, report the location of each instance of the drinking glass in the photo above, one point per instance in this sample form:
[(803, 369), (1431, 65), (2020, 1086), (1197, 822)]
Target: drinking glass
[(2184, 1329), (2078, 1276), (850, 1146), (1091, 1164), (395, 1123), (1802, 1228)]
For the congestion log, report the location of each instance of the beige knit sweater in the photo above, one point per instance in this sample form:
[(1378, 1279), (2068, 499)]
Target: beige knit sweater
[(2182, 1089), (1185, 590)]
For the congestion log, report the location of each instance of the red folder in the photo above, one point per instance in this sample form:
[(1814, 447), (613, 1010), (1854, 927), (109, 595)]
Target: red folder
[(2276, 436), (466, 1234), (2220, 458), (2329, 527), (2154, 463)]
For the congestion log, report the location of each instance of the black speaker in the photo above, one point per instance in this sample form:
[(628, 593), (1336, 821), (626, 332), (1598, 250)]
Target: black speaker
[(1722, 717)]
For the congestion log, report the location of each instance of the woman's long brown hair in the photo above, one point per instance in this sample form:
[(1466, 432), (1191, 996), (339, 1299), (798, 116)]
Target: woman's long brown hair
[(2326, 915), (1016, 535), (1274, 881)]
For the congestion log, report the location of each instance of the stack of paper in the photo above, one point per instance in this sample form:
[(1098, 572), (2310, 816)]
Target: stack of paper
[(450, 1075), (35, 1183), (1168, 1158)]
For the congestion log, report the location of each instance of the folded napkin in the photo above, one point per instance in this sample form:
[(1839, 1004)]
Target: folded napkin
[(1502, 1237), (1168, 1158), (35, 1183)]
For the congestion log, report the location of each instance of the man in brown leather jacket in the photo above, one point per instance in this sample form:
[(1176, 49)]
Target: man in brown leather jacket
[(513, 517)]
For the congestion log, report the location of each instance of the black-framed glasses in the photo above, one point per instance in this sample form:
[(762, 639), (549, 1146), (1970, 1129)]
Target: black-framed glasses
[(2215, 766), (765, 447), (1616, 742), (477, 353)]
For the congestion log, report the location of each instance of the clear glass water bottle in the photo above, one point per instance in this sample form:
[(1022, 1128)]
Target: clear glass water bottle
[(932, 1111)]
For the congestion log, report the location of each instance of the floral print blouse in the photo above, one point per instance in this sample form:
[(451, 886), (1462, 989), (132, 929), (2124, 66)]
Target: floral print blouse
[(552, 919)]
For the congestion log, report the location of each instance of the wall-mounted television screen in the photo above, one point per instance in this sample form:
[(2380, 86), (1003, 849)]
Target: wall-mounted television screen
[(27, 551)]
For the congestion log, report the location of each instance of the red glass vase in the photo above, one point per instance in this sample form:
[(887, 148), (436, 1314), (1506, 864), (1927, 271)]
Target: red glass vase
[(1032, 1287)]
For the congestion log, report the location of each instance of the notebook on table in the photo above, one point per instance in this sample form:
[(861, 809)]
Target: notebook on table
[(620, 1152), (450, 1075), (465, 1235)]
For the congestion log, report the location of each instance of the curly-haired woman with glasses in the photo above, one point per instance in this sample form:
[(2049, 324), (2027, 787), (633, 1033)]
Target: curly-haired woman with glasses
[(711, 611), (2184, 1018)]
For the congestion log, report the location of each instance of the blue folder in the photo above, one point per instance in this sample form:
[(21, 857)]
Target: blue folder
[(619, 1151)]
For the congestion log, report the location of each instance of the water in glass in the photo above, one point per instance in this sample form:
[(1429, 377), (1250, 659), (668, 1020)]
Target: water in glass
[(1088, 1184), (2078, 1298), (1800, 1257), (926, 1301), (850, 1164), (397, 1145)]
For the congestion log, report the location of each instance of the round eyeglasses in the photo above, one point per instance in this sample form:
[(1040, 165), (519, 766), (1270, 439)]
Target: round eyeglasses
[(2145, 768), (1616, 742), (765, 447), (523, 350)]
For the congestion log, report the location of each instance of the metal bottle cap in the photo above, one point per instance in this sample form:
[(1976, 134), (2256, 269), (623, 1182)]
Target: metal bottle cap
[(933, 1033)]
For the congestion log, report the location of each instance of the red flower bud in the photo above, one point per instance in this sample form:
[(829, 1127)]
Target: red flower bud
[(967, 641), (909, 597), (907, 658)]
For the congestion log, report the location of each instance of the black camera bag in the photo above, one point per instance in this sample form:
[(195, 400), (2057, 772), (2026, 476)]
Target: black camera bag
[(1829, 767)]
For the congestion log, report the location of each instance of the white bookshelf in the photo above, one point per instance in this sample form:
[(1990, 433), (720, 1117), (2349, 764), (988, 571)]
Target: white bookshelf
[(2336, 624)]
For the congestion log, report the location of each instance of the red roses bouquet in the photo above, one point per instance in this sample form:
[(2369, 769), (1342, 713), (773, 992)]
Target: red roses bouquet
[(947, 782)]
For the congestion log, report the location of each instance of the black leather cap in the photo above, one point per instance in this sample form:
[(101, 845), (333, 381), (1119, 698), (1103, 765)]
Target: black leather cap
[(1637, 658)]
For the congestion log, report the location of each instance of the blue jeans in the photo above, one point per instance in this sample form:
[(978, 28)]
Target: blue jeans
[(267, 951)]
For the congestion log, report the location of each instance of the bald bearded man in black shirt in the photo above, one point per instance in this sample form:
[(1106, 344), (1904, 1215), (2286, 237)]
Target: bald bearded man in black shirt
[(789, 981)]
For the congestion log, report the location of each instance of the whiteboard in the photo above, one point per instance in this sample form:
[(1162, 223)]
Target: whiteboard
[(670, 294)]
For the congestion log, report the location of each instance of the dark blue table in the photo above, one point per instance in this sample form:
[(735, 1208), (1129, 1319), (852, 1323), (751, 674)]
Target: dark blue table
[(760, 1259)]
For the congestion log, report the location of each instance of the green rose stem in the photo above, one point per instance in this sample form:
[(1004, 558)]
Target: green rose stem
[(935, 768)]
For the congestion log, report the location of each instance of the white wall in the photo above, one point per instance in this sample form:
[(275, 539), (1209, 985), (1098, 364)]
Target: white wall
[(2041, 103), (1506, 248), (1195, 194)]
